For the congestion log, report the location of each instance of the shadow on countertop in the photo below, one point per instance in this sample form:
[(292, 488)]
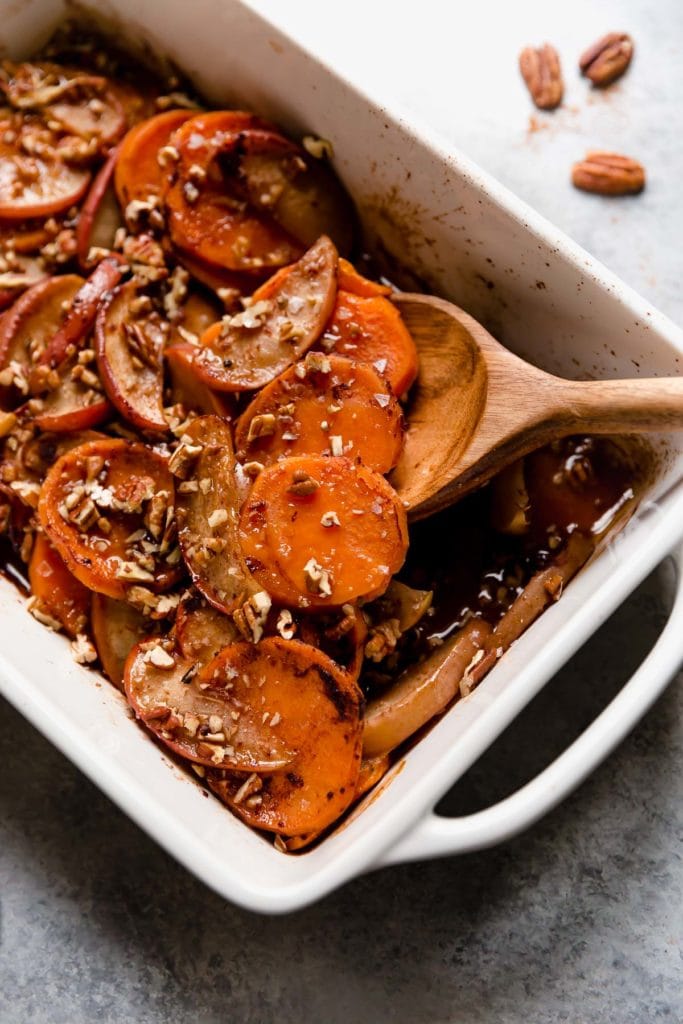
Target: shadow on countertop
[(577, 920)]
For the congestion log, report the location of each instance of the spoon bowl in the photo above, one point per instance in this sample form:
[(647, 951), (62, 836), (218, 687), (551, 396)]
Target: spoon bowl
[(477, 407)]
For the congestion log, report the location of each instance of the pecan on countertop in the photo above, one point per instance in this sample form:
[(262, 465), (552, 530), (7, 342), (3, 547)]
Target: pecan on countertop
[(541, 71), (609, 174), (607, 60)]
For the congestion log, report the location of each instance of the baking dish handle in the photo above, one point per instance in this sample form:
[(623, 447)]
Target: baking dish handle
[(438, 836)]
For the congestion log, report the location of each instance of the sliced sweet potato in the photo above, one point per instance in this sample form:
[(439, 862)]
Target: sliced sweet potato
[(139, 170), (206, 218), (117, 627), (209, 714), (107, 506), (208, 499), (369, 329), (130, 351), (423, 691), (188, 390), (314, 709), (285, 318), (320, 532), (350, 280), (99, 217), (35, 186), (55, 590), (28, 327), (228, 285), (81, 315), (324, 406)]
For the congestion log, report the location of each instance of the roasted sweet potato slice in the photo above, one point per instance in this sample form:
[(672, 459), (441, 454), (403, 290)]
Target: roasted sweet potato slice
[(55, 591), (28, 327), (284, 319), (207, 217), (325, 405), (130, 351), (208, 498), (320, 532), (209, 714), (369, 329), (99, 217), (107, 506), (117, 627), (350, 280), (314, 709), (139, 168)]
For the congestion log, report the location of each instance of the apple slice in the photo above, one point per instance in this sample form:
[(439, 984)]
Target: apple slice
[(117, 627), (75, 404), (80, 318), (29, 326), (36, 186), (212, 721), (130, 346), (100, 216), (208, 498), (188, 390), (285, 317)]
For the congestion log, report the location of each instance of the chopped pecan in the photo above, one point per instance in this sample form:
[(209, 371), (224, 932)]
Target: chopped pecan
[(606, 60), (543, 76), (609, 174)]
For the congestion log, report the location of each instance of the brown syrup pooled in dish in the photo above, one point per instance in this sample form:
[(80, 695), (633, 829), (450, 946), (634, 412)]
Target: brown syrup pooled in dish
[(475, 571)]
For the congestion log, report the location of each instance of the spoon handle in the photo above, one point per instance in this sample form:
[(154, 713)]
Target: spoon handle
[(629, 406)]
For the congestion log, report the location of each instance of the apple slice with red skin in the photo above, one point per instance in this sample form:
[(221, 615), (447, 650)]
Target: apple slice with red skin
[(130, 351), (191, 392), (105, 507), (314, 707), (100, 216), (73, 405), (36, 186), (84, 308), (208, 498), (210, 722), (28, 327), (286, 317)]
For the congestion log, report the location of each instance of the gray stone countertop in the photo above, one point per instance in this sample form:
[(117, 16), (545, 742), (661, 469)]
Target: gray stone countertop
[(578, 920)]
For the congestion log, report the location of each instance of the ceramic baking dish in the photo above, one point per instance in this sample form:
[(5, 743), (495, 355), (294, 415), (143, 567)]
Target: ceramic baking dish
[(475, 243)]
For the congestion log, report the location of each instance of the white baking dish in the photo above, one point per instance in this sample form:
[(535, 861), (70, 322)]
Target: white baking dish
[(541, 295)]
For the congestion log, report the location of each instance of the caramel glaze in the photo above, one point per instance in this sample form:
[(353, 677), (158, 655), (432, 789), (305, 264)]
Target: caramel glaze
[(580, 483)]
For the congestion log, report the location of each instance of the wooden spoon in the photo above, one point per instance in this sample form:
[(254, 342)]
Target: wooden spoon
[(478, 407)]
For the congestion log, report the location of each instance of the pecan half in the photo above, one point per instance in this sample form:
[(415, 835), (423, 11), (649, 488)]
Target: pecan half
[(609, 174), (543, 76), (606, 60)]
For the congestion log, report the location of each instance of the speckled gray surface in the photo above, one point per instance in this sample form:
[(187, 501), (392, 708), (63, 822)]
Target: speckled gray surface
[(579, 920)]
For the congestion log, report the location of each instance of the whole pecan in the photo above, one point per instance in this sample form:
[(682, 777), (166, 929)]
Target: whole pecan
[(543, 76), (609, 174), (606, 60)]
